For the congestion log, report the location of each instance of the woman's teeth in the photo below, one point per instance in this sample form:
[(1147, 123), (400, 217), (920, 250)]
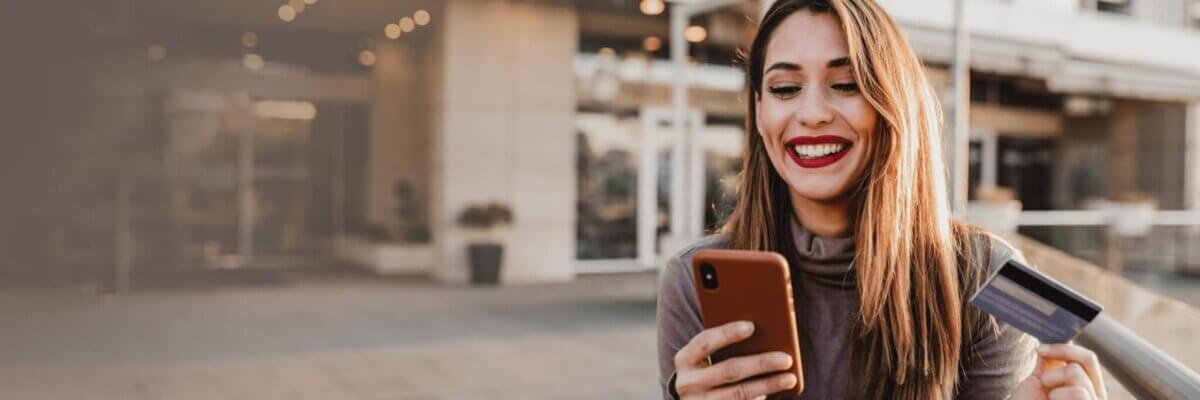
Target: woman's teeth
[(818, 150)]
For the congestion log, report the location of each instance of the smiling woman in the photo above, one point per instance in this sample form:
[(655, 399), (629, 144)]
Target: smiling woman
[(843, 177), (812, 106)]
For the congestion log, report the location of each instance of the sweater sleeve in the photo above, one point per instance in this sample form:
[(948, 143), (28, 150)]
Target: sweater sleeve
[(678, 318), (999, 356)]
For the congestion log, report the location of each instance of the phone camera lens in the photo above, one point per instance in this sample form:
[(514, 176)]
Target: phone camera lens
[(708, 276)]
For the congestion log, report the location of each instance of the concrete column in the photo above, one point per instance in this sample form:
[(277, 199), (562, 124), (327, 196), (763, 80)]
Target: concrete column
[(1192, 157), (1122, 171), (1191, 179), (505, 132), (1122, 148), (400, 132)]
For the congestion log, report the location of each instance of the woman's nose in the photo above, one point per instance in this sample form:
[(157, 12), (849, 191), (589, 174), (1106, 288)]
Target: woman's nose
[(814, 110)]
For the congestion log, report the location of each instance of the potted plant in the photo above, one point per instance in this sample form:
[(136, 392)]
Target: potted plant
[(484, 251), (411, 225), (404, 249)]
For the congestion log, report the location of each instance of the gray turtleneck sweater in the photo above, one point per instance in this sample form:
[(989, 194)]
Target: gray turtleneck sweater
[(991, 368)]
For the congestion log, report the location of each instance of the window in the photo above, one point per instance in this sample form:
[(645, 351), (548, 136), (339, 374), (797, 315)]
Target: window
[(1193, 14), (1114, 6)]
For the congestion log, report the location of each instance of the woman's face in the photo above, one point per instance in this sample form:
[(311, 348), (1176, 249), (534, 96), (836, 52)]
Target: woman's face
[(814, 122)]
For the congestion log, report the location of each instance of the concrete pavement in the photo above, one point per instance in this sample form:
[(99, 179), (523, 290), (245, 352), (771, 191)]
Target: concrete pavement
[(333, 334)]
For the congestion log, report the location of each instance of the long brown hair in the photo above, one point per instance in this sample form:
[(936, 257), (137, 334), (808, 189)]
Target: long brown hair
[(911, 323)]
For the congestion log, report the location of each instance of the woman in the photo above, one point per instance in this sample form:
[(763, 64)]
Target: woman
[(842, 175)]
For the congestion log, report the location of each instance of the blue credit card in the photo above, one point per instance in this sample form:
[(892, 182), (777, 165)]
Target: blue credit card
[(1035, 303)]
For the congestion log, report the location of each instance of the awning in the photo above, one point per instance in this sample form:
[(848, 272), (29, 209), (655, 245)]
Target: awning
[(1062, 72)]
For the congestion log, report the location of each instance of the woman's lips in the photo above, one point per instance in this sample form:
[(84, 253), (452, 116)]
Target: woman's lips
[(817, 151)]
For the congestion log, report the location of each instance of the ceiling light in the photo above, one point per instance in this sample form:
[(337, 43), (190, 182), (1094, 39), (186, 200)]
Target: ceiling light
[(249, 39), (298, 5), (421, 17), (652, 7), (366, 58), (651, 43), (695, 34), (252, 61), (287, 13), (282, 109)]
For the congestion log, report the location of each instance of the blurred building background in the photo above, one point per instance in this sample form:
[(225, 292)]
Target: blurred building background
[(170, 134), (146, 138)]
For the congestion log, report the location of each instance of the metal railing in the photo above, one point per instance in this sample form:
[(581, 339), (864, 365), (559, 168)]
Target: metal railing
[(1142, 369)]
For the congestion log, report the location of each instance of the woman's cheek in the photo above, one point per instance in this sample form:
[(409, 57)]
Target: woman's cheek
[(772, 123), (865, 117), (770, 129)]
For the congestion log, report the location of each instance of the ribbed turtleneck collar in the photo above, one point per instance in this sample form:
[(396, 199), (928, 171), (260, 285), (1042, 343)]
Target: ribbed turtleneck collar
[(826, 260)]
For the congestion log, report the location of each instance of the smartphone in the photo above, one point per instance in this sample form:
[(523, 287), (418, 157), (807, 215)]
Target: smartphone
[(755, 286)]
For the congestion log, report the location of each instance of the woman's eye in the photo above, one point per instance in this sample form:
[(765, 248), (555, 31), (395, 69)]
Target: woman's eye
[(784, 91), (851, 87)]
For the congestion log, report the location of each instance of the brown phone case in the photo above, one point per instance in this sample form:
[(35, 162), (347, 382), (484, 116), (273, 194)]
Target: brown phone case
[(753, 286)]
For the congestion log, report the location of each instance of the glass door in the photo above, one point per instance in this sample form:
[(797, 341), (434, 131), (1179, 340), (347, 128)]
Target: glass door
[(283, 170), (204, 133), (255, 181)]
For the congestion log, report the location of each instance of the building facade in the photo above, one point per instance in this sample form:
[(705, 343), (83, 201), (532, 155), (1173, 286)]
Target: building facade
[(248, 136)]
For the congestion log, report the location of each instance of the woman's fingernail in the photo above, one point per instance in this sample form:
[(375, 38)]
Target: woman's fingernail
[(1042, 348), (789, 381), (746, 327)]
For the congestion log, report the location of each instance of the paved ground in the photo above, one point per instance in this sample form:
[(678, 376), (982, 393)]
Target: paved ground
[(339, 334), (331, 334)]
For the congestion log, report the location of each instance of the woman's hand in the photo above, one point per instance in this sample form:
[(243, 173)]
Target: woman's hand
[(1063, 372), (696, 379)]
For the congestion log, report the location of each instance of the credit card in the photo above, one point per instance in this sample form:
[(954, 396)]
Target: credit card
[(1035, 303)]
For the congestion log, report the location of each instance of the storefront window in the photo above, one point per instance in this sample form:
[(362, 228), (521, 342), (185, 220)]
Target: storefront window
[(608, 164)]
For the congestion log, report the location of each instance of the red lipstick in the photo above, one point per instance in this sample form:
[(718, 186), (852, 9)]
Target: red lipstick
[(816, 162)]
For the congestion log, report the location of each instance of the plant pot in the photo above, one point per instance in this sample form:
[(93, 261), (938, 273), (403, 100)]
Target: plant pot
[(485, 261)]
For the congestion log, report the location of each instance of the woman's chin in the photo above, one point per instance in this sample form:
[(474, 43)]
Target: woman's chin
[(820, 194)]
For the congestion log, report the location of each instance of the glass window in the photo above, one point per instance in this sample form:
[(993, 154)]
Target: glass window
[(1122, 7), (1193, 13)]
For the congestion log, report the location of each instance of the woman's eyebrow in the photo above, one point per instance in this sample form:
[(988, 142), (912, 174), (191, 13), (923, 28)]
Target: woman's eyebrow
[(787, 66)]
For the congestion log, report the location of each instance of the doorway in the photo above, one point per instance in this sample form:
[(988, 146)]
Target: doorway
[(259, 182)]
